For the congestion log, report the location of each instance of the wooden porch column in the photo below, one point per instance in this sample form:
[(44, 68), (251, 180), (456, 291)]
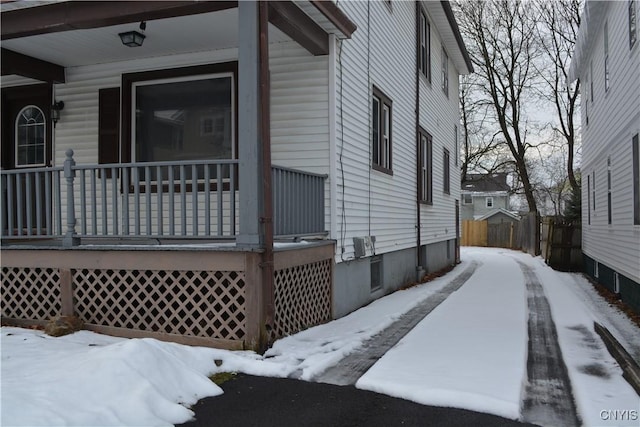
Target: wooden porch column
[(251, 233)]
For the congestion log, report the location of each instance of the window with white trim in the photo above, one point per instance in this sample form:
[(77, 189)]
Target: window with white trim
[(183, 118), (425, 151), (30, 137), (489, 202)]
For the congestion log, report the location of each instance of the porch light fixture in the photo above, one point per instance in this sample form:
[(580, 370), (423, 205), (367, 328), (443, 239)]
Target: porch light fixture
[(134, 38), (55, 111)]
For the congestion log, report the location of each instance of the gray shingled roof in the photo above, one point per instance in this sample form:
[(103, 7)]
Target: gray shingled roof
[(486, 182)]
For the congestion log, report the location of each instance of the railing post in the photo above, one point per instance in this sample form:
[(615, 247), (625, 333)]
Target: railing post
[(70, 238)]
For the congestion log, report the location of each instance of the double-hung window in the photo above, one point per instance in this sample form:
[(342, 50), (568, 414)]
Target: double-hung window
[(381, 132), (609, 190), (606, 57), (425, 45), (633, 29), (446, 174), (456, 153), (635, 150), (445, 72), (425, 181), (585, 102)]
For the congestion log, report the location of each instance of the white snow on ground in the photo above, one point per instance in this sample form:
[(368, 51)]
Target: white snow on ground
[(470, 352)]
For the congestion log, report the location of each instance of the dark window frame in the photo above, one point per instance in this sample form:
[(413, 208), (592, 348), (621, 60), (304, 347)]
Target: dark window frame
[(445, 72), (609, 207), (424, 45), (446, 172), (635, 149), (381, 150), (425, 171), (607, 77), (589, 199), (457, 142), (633, 24)]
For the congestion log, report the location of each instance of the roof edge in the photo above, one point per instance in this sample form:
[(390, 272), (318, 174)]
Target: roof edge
[(337, 17), (446, 6)]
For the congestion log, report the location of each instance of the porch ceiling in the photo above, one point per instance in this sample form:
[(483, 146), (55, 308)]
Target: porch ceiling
[(76, 33), (191, 33)]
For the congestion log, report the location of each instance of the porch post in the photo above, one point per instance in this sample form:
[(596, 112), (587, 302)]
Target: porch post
[(251, 234), (70, 238)]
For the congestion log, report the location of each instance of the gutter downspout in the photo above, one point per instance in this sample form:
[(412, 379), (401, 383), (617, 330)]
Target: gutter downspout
[(419, 268), (265, 131)]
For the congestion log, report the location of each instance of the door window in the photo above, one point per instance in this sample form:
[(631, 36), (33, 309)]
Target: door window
[(30, 137)]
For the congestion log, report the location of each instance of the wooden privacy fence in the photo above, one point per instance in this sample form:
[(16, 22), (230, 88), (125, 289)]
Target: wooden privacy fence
[(563, 249), (474, 233), (523, 234)]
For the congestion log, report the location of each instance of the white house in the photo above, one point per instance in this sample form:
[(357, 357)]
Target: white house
[(191, 136), (607, 63)]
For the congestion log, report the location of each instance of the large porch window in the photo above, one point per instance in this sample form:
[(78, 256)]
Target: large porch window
[(184, 118)]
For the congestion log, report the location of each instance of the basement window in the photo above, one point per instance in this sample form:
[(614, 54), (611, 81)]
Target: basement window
[(376, 272)]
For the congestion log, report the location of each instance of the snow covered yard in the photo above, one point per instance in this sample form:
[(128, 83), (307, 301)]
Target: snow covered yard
[(470, 352)]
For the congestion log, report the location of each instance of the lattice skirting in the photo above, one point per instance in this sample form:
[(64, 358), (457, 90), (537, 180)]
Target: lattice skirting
[(211, 298), (208, 304), (30, 293), (302, 297)]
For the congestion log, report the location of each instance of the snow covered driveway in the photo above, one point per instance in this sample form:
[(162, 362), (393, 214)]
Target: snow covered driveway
[(472, 350)]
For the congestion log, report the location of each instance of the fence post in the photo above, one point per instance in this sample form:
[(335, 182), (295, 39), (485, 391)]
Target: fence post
[(70, 239)]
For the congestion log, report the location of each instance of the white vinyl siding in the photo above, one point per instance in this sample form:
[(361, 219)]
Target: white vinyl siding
[(613, 121), (376, 203), (438, 115)]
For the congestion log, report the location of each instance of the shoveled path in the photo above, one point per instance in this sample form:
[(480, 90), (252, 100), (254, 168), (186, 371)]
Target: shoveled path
[(547, 396), (357, 363), (277, 402)]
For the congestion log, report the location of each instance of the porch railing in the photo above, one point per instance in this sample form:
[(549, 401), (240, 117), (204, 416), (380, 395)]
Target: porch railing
[(186, 199)]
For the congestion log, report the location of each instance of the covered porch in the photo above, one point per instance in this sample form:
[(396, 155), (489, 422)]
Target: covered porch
[(144, 222)]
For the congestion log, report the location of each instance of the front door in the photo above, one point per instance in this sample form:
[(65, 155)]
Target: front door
[(26, 144)]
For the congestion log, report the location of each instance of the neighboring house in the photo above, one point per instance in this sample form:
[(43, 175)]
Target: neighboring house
[(143, 187), (606, 60), (485, 195)]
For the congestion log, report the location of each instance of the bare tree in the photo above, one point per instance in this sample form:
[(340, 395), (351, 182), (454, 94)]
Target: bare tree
[(502, 39), (479, 143), (557, 33)]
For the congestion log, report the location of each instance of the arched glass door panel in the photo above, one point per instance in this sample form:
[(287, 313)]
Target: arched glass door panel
[(30, 135)]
